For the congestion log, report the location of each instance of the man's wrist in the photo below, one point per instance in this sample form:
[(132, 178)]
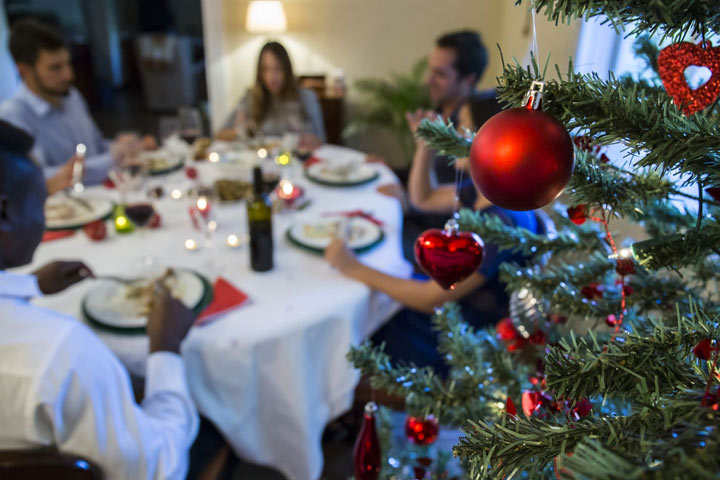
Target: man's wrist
[(164, 345)]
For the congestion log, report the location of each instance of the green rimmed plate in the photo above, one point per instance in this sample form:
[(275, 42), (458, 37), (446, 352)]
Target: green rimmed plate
[(331, 175), (105, 307), (361, 234), (70, 213)]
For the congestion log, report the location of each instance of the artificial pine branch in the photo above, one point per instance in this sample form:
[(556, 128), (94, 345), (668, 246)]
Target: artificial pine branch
[(492, 229), (443, 138), (679, 250), (675, 18)]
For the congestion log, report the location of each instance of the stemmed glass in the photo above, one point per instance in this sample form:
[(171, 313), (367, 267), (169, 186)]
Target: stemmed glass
[(140, 210), (190, 124)]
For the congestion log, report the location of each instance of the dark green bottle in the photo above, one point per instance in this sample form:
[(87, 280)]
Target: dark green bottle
[(259, 213)]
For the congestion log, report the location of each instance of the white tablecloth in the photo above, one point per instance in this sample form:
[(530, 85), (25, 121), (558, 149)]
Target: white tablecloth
[(270, 374)]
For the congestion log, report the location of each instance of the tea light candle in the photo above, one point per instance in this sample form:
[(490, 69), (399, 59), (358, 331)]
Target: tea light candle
[(233, 241), (191, 245), (214, 157), (262, 153), (122, 224), (287, 191), (202, 204), (176, 194), (283, 159)]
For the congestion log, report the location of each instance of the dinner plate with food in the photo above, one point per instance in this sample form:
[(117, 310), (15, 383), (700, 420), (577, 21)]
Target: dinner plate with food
[(125, 305), (359, 233), (160, 162), (66, 211), (341, 174)]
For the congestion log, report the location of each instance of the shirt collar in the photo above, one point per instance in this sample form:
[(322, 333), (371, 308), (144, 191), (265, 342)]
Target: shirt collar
[(20, 286), (37, 104)]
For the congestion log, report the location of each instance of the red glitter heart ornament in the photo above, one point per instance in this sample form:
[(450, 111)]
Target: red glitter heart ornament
[(449, 256), (672, 62)]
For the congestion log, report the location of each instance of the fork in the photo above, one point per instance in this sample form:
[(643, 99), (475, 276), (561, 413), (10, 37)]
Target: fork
[(115, 278)]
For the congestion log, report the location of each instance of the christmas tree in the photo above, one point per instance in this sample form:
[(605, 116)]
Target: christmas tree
[(610, 353)]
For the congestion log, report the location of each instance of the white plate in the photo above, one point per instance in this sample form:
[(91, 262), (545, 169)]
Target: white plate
[(317, 235), (160, 161), (341, 174), (107, 301), (62, 212)]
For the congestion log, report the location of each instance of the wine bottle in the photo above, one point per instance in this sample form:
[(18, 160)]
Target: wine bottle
[(259, 213)]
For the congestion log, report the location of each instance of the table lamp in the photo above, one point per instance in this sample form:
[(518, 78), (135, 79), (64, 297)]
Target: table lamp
[(265, 16)]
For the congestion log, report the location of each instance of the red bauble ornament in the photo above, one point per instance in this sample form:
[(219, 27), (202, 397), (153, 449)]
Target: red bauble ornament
[(366, 454), (96, 230), (592, 291), (531, 402), (421, 432), (672, 62), (449, 256), (577, 214), (704, 349), (611, 320), (506, 330), (625, 266), (521, 159)]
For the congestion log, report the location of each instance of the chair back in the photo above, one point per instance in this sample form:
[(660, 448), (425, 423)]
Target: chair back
[(37, 463)]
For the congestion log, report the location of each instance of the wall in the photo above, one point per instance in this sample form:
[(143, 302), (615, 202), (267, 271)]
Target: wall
[(8, 73), (374, 38)]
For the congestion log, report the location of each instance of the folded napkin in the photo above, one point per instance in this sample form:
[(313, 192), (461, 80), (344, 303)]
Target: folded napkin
[(51, 235), (225, 298), (356, 213)]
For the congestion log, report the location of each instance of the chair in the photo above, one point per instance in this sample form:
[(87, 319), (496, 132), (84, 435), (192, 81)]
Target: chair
[(46, 462)]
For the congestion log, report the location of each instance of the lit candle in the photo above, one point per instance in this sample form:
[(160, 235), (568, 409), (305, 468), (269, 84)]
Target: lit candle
[(176, 194), (283, 159), (122, 224), (202, 204), (233, 241), (287, 191), (262, 153), (191, 245), (214, 157)]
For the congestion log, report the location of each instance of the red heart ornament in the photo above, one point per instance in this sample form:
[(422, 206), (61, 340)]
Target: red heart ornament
[(448, 256), (672, 62)]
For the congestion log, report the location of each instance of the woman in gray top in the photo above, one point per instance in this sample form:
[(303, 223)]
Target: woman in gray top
[(276, 104)]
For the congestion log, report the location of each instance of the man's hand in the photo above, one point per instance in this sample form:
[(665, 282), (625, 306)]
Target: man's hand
[(169, 321), (308, 142), (125, 148), (414, 118), (339, 256), (226, 134), (63, 178), (57, 276)]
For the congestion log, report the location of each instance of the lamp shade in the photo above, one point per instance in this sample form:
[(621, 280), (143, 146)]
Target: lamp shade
[(265, 16)]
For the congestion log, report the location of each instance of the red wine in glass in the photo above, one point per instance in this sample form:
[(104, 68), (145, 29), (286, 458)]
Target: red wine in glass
[(189, 136), (140, 213)]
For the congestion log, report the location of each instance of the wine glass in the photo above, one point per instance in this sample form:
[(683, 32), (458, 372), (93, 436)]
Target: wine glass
[(140, 210), (189, 124)]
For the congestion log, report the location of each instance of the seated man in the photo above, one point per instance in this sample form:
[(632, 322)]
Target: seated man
[(50, 109), (455, 65), (59, 384)]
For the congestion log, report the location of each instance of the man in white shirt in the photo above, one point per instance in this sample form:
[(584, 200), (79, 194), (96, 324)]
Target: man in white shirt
[(59, 385)]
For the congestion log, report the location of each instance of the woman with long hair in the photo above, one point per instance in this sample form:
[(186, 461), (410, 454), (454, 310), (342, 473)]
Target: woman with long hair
[(276, 104)]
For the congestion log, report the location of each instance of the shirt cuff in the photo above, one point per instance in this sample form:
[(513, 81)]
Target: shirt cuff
[(165, 372)]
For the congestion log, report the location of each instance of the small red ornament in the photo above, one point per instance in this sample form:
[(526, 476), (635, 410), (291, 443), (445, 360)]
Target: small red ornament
[(108, 183), (538, 338), (714, 192), (366, 454), (581, 408), (592, 291), (531, 402), (96, 230), (449, 256), (191, 173), (703, 350), (422, 432), (625, 266), (419, 473), (577, 214), (506, 330), (672, 63), (611, 320), (155, 221), (559, 319), (510, 407), (521, 158)]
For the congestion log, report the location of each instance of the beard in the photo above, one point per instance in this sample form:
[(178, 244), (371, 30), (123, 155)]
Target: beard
[(61, 91)]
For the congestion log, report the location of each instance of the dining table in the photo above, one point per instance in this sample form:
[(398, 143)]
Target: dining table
[(271, 373)]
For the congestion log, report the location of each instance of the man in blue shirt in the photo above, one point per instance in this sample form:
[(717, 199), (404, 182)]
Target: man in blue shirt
[(50, 109)]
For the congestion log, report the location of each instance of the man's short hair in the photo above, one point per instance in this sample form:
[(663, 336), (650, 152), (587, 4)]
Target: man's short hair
[(471, 54), (29, 36)]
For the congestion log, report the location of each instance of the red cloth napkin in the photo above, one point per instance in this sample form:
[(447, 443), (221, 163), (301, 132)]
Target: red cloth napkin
[(310, 161), (51, 235), (357, 213), (225, 298)]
